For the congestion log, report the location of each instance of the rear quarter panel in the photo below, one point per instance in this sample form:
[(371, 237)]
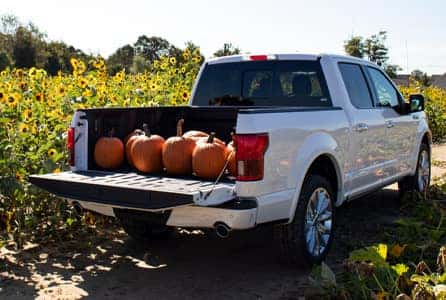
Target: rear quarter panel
[(296, 139)]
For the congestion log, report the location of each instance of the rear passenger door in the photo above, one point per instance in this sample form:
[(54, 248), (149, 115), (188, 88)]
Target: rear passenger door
[(367, 141)]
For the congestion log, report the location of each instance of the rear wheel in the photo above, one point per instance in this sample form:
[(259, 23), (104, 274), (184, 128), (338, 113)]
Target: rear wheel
[(144, 226), (420, 181), (306, 240)]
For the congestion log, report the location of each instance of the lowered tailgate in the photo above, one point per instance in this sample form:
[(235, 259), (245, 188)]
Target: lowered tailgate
[(131, 190)]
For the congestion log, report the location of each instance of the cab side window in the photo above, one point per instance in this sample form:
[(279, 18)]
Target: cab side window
[(385, 92), (356, 85)]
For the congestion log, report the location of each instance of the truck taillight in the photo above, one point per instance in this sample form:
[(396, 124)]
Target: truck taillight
[(250, 155), (71, 145)]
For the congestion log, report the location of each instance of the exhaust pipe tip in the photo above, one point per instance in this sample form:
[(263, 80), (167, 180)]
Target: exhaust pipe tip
[(78, 208), (222, 230)]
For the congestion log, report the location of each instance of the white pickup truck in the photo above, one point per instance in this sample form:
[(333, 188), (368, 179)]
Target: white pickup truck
[(312, 131)]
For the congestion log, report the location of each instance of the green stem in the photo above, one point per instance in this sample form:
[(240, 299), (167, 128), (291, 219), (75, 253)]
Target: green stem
[(146, 129), (211, 138)]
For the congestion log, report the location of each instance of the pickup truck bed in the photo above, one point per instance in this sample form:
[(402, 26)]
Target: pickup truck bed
[(131, 190), (161, 121)]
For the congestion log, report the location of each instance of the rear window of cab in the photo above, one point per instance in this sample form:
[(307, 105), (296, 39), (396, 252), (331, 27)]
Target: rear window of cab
[(263, 83)]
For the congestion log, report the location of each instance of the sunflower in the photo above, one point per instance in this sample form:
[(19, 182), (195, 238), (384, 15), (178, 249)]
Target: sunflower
[(2, 96), (32, 72), (196, 59), (73, 63), (61, 90), (51, 102), (164, 66), (186, 55), (19, 73), (27, 114), (173, 60), (13, 99), (23, 85), (81, 67), (98, 63), (56, 170), (183, 70), (88, 93), (174, 99), (52, 152), (23, 128), (40, 97), (120, 76), (185, 95), (153, 87), (41, 73), (82, 83)]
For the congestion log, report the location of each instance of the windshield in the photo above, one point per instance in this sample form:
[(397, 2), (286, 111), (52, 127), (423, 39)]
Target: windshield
[(263, 83)]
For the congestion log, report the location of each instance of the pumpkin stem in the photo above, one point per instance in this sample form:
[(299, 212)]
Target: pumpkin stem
[(211, 138), (233, 139), (180, 127), (146, 129), (111, 133)]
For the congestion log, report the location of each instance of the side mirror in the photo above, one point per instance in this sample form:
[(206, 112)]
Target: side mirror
[(416, 103)]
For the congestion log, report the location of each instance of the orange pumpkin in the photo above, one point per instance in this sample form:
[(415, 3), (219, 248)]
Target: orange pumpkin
[(146, 152), (209, 158), (195, 134), (109, 152), (177, 152), (133, 133), (204, 140), (232, 164), (129, 140)]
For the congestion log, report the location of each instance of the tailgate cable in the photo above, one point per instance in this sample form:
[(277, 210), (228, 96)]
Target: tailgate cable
[(219, 175)]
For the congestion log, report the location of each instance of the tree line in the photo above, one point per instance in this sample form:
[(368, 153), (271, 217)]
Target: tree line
[(25, 46)]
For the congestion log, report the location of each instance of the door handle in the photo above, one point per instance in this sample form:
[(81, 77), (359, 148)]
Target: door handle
[(361, 127), (390, 124)]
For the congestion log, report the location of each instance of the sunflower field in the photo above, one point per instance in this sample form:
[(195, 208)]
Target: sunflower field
[(36, 109), (435, 107)]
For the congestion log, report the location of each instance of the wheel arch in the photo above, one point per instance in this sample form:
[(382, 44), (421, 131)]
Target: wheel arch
[(424, 136), (326, 161)]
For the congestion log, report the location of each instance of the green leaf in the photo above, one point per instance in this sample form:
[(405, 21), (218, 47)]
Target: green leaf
[(70, 222), (422, 279), (327, 274), (374, 254), (442, 278)]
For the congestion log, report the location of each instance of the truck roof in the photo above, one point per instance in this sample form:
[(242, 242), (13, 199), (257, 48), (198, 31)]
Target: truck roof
[(285, 56)]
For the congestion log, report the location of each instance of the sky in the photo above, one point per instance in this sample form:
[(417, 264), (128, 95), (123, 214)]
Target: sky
[(416, 29)]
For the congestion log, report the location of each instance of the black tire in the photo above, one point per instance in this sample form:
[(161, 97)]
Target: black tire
[(410, 183), (144, 226), (291, 237)]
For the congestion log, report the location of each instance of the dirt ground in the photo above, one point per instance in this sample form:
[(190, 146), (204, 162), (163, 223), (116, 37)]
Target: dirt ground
[(189, 264)]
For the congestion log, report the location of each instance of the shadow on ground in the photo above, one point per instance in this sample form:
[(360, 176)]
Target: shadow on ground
[(187, 265)]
